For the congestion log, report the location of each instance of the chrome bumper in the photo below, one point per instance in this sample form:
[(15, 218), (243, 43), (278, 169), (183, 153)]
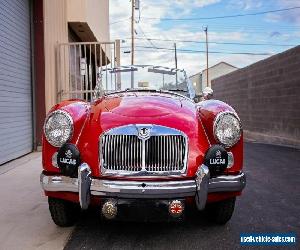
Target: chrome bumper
[(198, 188)]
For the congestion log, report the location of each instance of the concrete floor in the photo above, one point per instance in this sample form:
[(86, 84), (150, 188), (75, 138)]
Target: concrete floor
[(25, 221)]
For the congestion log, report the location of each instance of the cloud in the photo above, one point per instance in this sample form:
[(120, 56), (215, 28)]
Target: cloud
[(191, 62), (291, 16), (245, 4)]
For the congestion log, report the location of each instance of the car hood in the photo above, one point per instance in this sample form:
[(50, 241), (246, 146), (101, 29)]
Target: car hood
[(168, 110), (143, 104)]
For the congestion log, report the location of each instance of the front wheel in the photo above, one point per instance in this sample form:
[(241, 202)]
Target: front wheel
[(221, 212), (63, 213)]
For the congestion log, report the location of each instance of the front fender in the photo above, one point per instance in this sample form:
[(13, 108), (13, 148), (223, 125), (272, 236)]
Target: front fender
[(79, 111)]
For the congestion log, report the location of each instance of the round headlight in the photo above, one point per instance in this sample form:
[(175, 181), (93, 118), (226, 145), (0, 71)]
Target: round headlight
[(58, 128), (227, 128)]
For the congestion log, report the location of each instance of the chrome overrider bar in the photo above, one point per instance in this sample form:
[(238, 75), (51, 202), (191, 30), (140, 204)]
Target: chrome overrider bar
[(199, 187)]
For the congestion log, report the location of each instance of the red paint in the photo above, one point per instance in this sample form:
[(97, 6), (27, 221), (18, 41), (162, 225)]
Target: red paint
[(208, 110), (90, 121), (73, 197)]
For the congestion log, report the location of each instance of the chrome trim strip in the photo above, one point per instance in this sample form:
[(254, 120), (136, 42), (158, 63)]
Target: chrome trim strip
[(143, 189), (202, 183), (59, 183), (84, 184), (227, 183), (151, 189)]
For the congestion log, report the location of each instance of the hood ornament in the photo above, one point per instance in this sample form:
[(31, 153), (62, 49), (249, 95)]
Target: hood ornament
[(144, 133)]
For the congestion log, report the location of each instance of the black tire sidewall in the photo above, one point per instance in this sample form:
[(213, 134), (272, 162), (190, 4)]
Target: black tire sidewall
[(63, 213)]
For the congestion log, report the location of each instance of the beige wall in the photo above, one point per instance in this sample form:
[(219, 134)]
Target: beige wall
[(93, 12), (98, 18), (55, 31), (196, 81), (215, 72), (93, 15)]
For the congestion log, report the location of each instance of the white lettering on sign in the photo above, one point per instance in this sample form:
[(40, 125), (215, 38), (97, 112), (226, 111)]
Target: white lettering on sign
[(216, 161), (68, 161)]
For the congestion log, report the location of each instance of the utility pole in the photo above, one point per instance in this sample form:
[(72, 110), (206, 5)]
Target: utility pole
[(132, 40), (205, 30), (175, 48), (118, 63), (132, 32)]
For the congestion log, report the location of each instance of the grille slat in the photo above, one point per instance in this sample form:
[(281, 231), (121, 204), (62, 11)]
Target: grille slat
[(159, 153)]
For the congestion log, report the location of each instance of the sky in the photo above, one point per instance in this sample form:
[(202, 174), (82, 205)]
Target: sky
[(230, 39)]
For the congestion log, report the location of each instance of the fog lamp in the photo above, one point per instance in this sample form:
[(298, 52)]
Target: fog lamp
[(176, 208), (110, 209)]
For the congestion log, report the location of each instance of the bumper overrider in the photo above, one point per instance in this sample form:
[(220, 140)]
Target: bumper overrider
[(199, 188)]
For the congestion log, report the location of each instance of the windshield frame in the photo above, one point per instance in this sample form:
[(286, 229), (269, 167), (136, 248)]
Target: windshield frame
[(99, 91)]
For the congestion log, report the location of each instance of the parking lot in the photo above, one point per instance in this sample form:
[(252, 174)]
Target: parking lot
[(270, 203)]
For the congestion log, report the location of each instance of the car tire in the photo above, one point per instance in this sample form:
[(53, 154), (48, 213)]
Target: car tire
[(221, 212), (63, 213)]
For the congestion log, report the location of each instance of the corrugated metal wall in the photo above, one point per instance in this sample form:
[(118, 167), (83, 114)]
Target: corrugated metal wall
[(15, 80)]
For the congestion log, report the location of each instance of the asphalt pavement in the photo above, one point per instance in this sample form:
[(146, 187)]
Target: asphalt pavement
[(270, 203)]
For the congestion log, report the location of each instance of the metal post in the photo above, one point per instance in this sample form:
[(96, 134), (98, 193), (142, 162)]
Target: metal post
[(132, 42), (206, 39), (176, 66), (118, 62), (132, 32)]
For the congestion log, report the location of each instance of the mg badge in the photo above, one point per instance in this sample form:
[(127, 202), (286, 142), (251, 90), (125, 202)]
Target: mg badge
[(144, 133)]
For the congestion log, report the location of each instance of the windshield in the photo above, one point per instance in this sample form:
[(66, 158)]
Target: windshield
[(143, 77)]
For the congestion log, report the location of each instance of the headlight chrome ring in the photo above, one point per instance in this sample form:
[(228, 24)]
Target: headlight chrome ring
[(227, 128), (58, 128)]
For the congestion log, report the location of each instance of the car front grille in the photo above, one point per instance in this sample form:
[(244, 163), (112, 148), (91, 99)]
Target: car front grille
[(127, 153)]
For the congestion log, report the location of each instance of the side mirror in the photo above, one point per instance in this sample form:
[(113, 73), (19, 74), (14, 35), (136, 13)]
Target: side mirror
[(197, 98), (208, 93)]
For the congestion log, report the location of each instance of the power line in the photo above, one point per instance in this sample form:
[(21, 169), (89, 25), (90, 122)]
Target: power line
[(221, 43), (267, 32), (200, 51), (146, 38), (120, 21), (220, 17)]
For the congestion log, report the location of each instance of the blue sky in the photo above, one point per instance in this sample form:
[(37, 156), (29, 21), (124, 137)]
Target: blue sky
[(280, 28)]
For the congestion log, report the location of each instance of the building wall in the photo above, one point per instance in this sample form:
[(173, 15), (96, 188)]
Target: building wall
[(55, 31), (215, 72), (266, 97), (89, 20), (98, 18), (197, 82)]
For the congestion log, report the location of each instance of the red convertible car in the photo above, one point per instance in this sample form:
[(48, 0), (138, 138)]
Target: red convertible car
[(147, 150)]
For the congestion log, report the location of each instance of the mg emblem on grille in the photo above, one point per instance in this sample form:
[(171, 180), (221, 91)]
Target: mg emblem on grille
[(144, 133)]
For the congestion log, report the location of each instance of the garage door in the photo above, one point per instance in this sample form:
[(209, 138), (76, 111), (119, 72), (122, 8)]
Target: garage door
[(15, 80)]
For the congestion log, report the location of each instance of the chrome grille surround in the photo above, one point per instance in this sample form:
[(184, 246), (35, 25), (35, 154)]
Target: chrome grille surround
[(143, 150)]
